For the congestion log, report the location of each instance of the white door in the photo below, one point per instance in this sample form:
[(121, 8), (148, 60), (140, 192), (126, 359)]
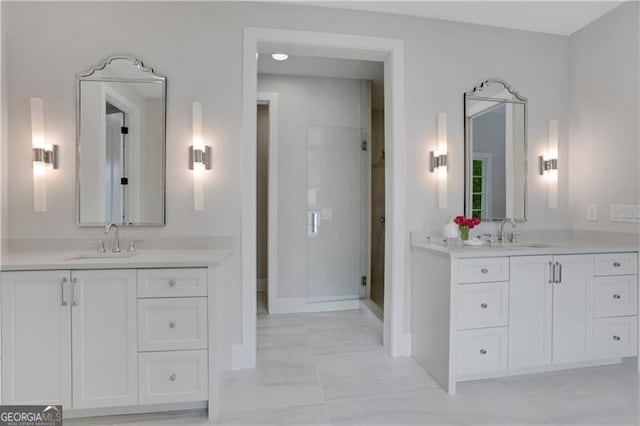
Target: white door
[(36, 338), (530, 313), (572, 308), (104, 338)]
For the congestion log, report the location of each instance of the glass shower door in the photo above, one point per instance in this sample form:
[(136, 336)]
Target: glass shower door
[(335, 213)]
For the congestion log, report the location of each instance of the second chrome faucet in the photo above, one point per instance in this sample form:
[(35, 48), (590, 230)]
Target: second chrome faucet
[(116, 236)]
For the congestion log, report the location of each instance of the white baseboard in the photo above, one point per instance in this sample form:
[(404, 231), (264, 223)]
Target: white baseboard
[(405, 346), (242, 358), (536, 370), (293, 305), (134, 409)]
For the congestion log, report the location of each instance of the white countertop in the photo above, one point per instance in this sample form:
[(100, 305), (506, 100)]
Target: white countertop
[(420, 240), (47, 260)]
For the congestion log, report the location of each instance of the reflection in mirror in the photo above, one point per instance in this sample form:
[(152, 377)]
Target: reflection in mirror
[(495, 152), (121, 144)]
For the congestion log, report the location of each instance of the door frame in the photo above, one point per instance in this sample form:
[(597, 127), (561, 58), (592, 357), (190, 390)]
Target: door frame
[(396, 340)]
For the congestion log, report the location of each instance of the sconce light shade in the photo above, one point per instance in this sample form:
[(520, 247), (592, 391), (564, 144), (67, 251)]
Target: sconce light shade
[(199, 158), (44, 156), (549, 167), (438, 160)]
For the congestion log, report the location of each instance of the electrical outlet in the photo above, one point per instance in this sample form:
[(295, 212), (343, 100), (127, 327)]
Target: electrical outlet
[(592, 212), (625, 213)]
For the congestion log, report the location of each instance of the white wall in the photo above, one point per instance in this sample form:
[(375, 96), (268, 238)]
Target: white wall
[(4, 170), (604, 97), (198, 46), (303, 102)]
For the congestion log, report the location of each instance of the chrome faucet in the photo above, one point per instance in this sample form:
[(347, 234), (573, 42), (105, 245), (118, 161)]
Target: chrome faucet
[(116, 236), (503, 232)]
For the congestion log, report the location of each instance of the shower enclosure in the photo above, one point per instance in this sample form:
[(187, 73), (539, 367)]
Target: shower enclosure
[(336, 209)]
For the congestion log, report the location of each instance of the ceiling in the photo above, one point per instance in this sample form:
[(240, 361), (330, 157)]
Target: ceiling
[(552, 17)]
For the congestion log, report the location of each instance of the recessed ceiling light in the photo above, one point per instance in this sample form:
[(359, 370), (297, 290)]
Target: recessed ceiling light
[(280, 56)]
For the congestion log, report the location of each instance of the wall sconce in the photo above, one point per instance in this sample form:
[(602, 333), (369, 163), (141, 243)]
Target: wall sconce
[(45, 156), (199, 158), (549, 167), (438, 160)]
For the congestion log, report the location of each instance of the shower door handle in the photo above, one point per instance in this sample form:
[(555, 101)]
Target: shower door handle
[(314, 222)]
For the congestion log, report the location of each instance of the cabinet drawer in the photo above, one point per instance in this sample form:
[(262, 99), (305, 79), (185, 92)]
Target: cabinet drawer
[(483, 350), (615, 337), (172, 282), (483, 270), (483, 305), (166, 377), (616, 264), (172, 324), (616, 296)]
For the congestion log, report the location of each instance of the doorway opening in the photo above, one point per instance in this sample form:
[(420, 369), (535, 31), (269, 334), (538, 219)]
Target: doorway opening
[(326, 162), (262, 206), (396, 340)]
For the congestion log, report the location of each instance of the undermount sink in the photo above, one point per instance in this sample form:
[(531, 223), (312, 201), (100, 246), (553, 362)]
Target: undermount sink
[(530, 245), (95, 256)]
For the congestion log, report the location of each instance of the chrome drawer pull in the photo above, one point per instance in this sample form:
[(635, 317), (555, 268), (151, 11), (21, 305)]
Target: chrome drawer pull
[(172, 324), (616, 338), (63, 302), (483, 351), (616, 264), (484, 305), (74, 302), (616, 296), (172, 283), (484, 270), (172, 377)]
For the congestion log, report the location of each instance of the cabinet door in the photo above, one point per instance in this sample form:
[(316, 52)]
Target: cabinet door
[(36, 338), (530, 311), (104, 338), (573, 309)]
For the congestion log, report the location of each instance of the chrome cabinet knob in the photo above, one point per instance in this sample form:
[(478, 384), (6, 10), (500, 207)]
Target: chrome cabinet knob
[(484, 270), (172, 324), (616, 338), (616, 264), (616, 296), (172, 283), (483, 351), (172, 377), (484, 305)]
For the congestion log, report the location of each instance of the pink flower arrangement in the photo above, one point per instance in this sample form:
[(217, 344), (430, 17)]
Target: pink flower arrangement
[(469, 223), (465, 224)]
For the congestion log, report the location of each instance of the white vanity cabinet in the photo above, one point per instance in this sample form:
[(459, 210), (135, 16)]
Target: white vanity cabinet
[(551, 300), (65, 330), (172, 335), (36, 338), (103, 332), (520, 311)]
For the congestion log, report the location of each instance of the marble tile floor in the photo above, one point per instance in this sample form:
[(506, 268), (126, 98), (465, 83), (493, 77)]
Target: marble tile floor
[(329, 369)]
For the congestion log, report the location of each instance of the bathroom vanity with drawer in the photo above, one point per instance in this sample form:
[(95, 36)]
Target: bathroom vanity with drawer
[(484, 312), (115, 335)]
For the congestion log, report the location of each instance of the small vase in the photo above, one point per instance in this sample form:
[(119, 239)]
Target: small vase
[(464, 233)]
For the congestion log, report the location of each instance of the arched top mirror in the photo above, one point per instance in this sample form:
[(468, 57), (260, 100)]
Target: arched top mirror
[(121, 109), (495, 117)]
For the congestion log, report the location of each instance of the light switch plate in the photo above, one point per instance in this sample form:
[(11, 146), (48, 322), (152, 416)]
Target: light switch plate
[(592, 212)]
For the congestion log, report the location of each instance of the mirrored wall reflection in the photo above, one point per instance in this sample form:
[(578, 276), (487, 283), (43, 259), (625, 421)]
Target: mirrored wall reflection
[(121, 140), (495, 150)]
